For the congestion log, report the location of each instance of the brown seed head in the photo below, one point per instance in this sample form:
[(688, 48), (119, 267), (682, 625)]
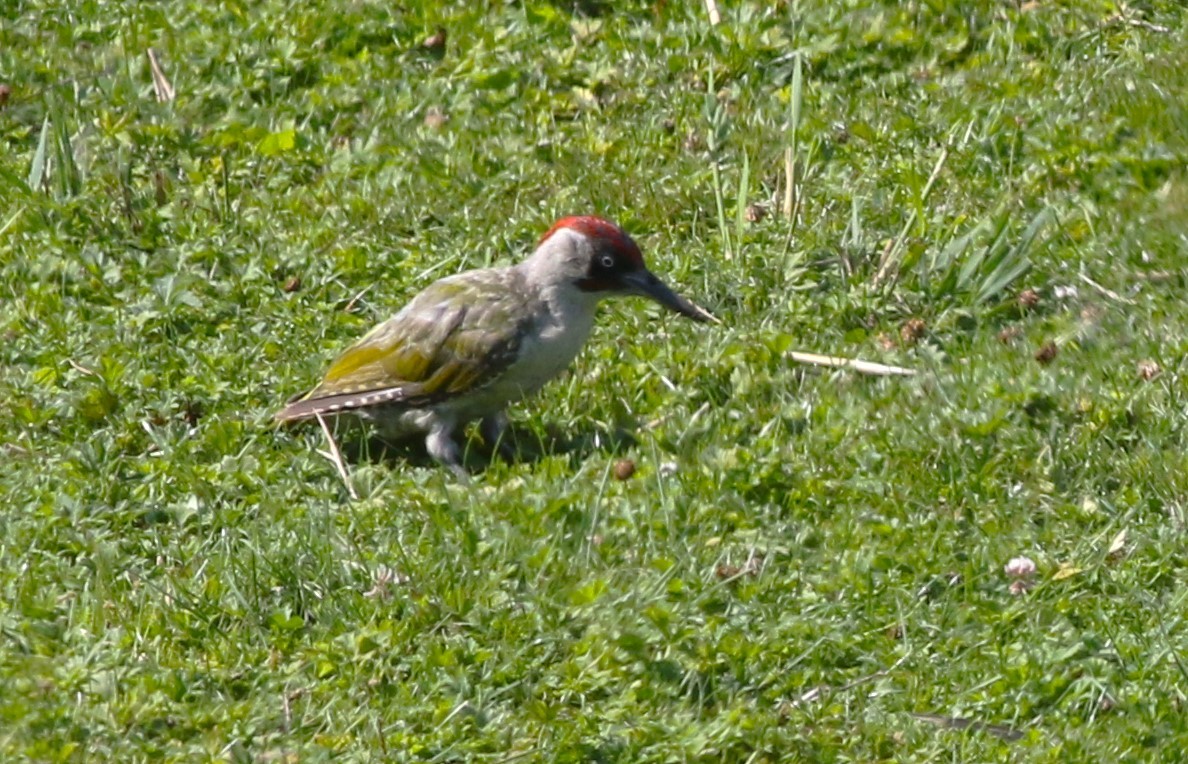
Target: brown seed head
[(726, 570), (1047, 353), (436, 41), (1148, 370), (912, 330), (192, 412), (435, 118), (1028, 299), (624, 469), (1010, 334)]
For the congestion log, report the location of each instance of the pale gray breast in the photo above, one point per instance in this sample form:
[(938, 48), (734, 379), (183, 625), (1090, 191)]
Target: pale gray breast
[(560, 333)]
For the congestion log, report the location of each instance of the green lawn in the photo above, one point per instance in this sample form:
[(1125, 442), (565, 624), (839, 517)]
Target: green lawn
[(808, 564)]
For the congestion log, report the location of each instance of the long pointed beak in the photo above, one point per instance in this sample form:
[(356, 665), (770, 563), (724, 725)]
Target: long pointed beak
[(645, 284)]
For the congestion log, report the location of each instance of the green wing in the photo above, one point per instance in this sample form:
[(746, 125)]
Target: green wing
[(457, 335)]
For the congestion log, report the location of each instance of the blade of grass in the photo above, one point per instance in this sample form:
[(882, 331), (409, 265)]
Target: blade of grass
[(946, 262), (715, 116), (791, 197), (887, 272), (740, 211), (1014, 263), (69, 182), (852, 239), (37, 167), (973, 262), (12, 219)]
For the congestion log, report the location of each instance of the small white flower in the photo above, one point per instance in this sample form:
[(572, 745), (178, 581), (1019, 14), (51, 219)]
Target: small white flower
[(1064, 292), (667, 469), (1020, 567)]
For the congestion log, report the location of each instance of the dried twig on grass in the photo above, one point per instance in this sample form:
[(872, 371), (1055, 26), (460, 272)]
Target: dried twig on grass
[(161, 85), (711, 6), (862, 367), (335, 456), (1107, 292), (958, 723)]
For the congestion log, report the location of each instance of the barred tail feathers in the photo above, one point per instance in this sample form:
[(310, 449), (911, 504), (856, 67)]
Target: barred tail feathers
[(305, 407)]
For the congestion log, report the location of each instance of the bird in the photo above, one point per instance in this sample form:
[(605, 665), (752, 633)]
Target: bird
[(468, 345)]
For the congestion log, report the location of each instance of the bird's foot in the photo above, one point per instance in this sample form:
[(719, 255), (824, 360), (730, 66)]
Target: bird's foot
[(460, 473), (441, 446), (494, 429)]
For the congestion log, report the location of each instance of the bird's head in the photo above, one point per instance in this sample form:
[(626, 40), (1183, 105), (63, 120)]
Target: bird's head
[(599, 259)]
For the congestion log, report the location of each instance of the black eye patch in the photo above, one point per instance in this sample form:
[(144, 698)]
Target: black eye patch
[(606, 271)]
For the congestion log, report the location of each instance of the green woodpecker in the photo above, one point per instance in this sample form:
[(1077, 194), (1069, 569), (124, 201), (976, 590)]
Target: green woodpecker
[(470, 344)]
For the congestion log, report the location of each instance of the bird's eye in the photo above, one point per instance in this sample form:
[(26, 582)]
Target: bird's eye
[(606, 261)]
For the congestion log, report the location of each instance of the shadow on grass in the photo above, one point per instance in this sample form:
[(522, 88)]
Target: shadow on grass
[(519, 446)]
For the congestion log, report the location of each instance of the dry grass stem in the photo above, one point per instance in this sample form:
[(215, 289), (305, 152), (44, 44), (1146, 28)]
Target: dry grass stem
[(335, 455), (862, 367)]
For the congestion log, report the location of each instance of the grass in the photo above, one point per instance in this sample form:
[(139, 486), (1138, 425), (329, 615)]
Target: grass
[(806, 565)]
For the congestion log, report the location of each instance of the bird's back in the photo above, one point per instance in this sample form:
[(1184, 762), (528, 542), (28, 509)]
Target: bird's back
[(456, 337)]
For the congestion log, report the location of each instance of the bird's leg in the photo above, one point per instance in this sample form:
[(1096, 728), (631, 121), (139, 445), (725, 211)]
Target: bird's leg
[(493, 428), (442, 447)]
